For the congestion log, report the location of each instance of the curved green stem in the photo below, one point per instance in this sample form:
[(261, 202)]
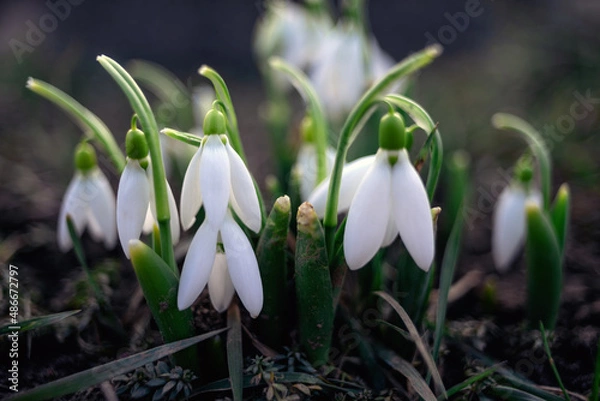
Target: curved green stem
[(223, 95), (140, 105), (308, 93), (536, 144), (355, 120), (84, 118), (425, 122)]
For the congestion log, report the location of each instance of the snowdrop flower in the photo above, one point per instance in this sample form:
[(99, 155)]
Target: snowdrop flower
[(89, 201), (203, 263), (385, 197), (135, 196), (510, 223), (216, 178), (305, 168), (338, 72)]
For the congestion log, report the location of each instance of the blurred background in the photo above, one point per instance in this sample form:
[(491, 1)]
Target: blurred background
[(537, 59)]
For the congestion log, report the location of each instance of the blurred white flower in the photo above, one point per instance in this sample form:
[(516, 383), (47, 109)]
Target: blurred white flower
[(203, 264), (90, 202), (136, 205), (509, 223), (306, 167), (216, 178), (384, 200)]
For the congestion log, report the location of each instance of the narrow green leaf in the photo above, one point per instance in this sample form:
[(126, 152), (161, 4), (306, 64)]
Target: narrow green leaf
[(560, 215), (167, 87), (551, 361), (544, 269), (185, 137), (160, 285), (98, 374), (470, 381), (512, 394), (85, 119), (235, 356), (313, 287), (408, 371), (595, 395), (37, 322), (414, 334), (271, 255)]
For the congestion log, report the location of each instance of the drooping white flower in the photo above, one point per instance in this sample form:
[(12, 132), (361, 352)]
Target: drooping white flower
[(90, 201), (220, 286), (510, 224), (216, 178), (136, 209), (202, 259)]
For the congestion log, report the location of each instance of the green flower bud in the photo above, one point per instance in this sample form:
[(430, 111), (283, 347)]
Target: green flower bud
[(214, 123), (392, 132), (524, 169), (85, 157), (135, 144), (307, 129)]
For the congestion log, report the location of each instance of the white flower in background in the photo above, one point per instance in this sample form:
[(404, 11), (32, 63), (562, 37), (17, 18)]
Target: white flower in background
[(136, 205), (510, 223), (216, 178), (384, 196), (89, 201), (306, 167), (338, 71), (204, 263), (290, 31)]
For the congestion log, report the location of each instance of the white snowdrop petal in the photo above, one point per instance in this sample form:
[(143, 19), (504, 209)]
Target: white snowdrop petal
[(74, 206), (352, 176), (191, 197), (220, 287), (243, 267), (215, 179), (412, 212), (148, 221), (246, 204), (368, 214), (133, 198), (508, 232), (103, 207), (197, 265), (391, 232), (174, 216)]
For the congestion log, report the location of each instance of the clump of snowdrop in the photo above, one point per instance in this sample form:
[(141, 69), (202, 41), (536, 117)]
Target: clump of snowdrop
[(135, 196), (218, 179), (509, 220), (385, 197), (89, 201)]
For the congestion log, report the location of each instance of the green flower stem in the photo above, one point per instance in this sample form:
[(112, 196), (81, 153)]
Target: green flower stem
[(185, 137), (84, 118), (560, 213), (159, 285), (140, 105), (223, 95), (271, 254), (355, 121), (426, 123), (544, 269), (306, 89), (536, 144), (313, 287)]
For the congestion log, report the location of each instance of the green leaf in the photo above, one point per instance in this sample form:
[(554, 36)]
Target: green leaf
[(37, 322), (235, 356), (85, 119), (544, 269), (414, 334), (560, 215), (470, 381), (98, 374), (408, 371), (313, 287), (595, 394), (512, 394), (271, 255), (185, 137), (552, 364), (160, 285)]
